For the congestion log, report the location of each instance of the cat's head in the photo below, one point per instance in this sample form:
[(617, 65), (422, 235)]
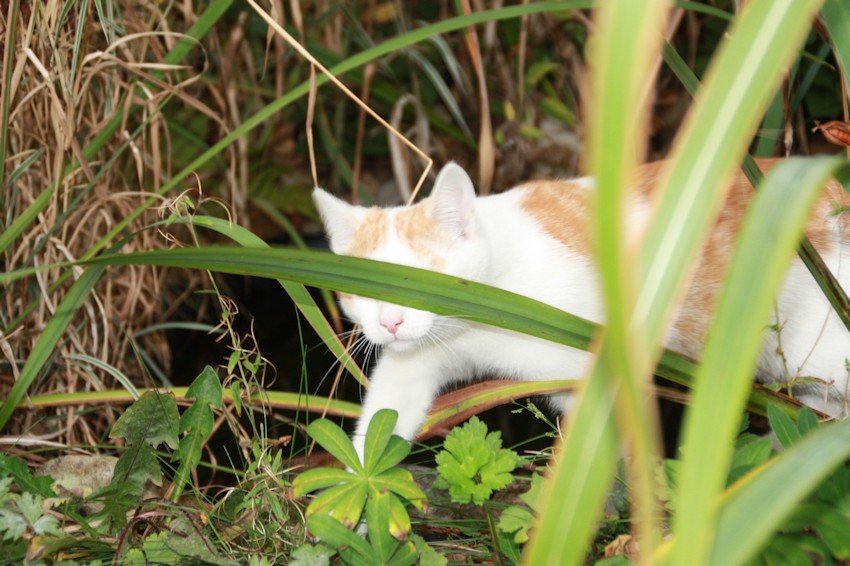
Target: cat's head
[(440, 233)]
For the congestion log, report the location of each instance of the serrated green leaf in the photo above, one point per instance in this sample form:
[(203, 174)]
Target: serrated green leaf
[(378, 435), (319, 478), (311, 555), (428, 556), (783, 427), (12, 525), (39, 485), (152, 419), (334, 440), (474, 463), (30, 507)]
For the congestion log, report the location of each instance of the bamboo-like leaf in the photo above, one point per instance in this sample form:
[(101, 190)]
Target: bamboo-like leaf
[(395, 451), (335, 441), (400, 482), (319, 478), (333, 532), (377, 436), (767, 239)]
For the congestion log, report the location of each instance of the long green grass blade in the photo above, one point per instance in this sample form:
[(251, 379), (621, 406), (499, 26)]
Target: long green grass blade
[(755, 507), (632, 33), (50, 336), (836, 16), (262, 398), (738, 86), (814, 263), (302, 299), (8, 50), (767, 240), (442, 294)]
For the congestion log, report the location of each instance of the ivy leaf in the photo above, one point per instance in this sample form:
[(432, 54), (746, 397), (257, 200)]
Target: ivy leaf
[(39, 485), (517, 520), (474, 464), (197, 422), (152, 419)]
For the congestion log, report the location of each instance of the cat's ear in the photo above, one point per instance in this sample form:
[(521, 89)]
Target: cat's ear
[(340, 219), (452, 201)]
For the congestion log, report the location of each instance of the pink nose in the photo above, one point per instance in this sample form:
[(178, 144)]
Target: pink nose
[(391, 323)]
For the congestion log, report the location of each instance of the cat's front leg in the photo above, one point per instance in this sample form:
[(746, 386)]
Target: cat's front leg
[(407, 382)]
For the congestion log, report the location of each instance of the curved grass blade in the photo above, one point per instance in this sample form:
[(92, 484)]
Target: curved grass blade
[(302, 299), (51, 334), (767, 239), (627, 37), (276, 399)]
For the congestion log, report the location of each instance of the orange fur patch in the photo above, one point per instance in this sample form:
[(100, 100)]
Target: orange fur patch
[(563, 210), (369, 234), (421, 234)]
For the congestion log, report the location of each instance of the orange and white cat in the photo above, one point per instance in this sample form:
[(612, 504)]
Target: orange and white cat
[(535, 240)]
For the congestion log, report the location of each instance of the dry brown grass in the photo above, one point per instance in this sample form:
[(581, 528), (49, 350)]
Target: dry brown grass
[(69, 81)]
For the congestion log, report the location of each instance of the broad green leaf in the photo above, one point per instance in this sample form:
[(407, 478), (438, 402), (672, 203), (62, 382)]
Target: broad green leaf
[(378, 434), (398, 523), (832, 529), (783, 427), (378, 520), (136, 466), (334, 440), (206, 389)]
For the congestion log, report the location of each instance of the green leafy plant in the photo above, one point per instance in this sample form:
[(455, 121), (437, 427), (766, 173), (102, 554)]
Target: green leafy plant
[(24, 521), (197, 423), (519, 519), (346, 492), (473, 464), (381, 547)]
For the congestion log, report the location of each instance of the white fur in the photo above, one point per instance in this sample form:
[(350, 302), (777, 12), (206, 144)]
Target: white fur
[(492, 240)]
